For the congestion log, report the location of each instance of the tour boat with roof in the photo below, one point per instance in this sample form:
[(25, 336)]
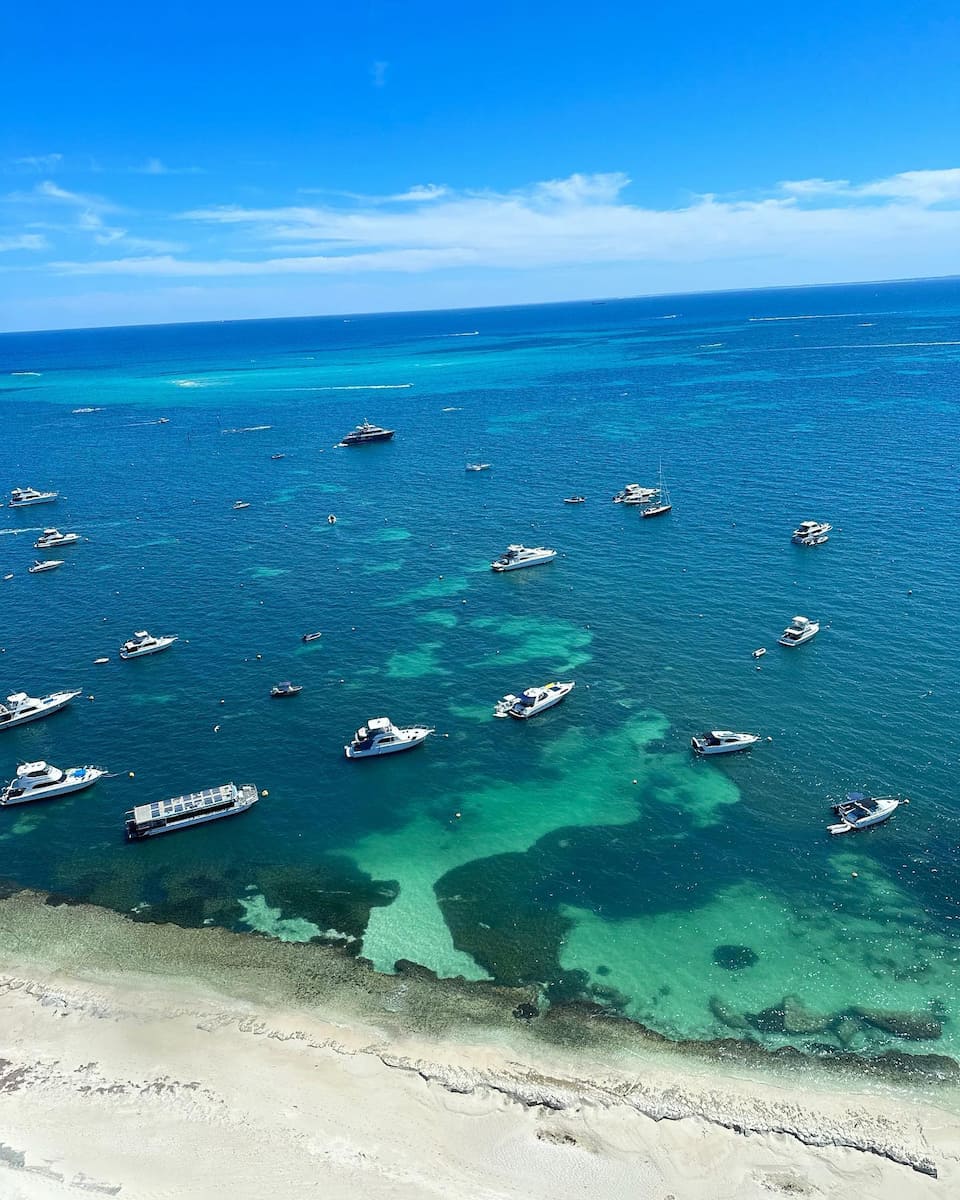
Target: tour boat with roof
[(143, 643), (811, 533), (53, 537), (45, 564), (41, 781), (800, 630), (723, 741), (536, 700), (381, 736), (859, 811), (366, 432), (22, 497), (21, 708), (515, 557), (195, 808)]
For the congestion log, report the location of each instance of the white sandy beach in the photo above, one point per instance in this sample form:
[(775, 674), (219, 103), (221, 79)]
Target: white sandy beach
[(156, 1082)]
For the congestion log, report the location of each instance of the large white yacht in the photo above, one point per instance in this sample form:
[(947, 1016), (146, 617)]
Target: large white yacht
[(381, 736), (40, 781), (633, 493), (195, 808), (21, 497), (723, 741), (143, 643), (53, 537), (800, 630), (21, 708), (538, 699), (515, 557), (811, 533)]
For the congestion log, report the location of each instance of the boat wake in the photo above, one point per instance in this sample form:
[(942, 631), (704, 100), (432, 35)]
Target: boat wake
[(807, 317), (350, 387), (37, 373), (247, 429), (472, 333)]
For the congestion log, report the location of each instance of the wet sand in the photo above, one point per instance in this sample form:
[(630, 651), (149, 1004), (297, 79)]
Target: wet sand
[(152, 1061)]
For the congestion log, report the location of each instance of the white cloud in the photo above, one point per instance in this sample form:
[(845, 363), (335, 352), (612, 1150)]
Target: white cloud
[(154, 166), (924, 188), (24, 241), (39, 162), (48, 190), (378, 74)]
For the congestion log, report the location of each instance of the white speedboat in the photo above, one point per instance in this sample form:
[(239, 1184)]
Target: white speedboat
[(46, 564), (21, 497), (723, 741), (633, 493), (21, 708), (196, 808), (480, 466), (381, 736), (807, 531), (143, 643), (536, 700), (53, 537), (40, 781), (860, 812), (800, 630), (515, 557), (502, 707), (574, 499), (238, 504)]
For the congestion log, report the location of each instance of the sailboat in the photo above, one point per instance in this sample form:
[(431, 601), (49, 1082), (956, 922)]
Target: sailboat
[(661, 503)]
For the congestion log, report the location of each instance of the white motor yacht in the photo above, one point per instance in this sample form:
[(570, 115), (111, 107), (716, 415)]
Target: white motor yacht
[(238, 504), (860, 812), (807, 531), (633, 493), (196, 808), (53, 537), (144, 643), (21, 497), (40, 781), (21, 708), (536, 700), (46, 564), (515, 557), (800, 630), (381, 736), (723, 741)]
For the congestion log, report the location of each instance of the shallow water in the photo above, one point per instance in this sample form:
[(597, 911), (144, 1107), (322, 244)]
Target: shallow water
[(592, 856)]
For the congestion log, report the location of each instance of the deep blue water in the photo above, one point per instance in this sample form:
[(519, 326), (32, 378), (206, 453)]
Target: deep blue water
[(591, 855)]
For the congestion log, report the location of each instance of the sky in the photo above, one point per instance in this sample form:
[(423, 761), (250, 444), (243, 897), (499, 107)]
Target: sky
[(204, 161)]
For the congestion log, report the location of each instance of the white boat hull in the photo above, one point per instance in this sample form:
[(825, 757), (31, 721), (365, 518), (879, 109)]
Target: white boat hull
[(554, 695), (82, 778), (705, 750), (164, 644), (377, 750), (806, 637), (527, 562), (29, 503), (45, 710)]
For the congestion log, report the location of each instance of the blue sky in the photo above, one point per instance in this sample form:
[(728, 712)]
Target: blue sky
[(203, 161)]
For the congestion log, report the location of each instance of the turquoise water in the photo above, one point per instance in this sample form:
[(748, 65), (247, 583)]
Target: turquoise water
[(585, 853)]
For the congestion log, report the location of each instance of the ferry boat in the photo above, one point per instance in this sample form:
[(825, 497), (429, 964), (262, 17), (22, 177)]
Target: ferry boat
[(46, 564), (807, 533), (633, 493), (381, 736), (53, 537), (723, 741), (535, 700), (143, 643), (21, 497), (196, 808), (40, 781), (800, 630), (860, 812), (365, 432), (515, 557), (21, 708), (280, 690)]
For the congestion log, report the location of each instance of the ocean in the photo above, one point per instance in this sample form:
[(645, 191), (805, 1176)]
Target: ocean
[(585, 855)]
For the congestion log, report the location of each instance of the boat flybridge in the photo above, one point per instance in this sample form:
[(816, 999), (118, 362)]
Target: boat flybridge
[(860, 812), (515, 557), (800, 630), (723, 741), (44, 564), (381, 736), (40, 781), (53, 537), (533, 700), (143, 643), (811, 533), (366, 432), (21, 708), (195, 808), (633, 493), (21, 497)]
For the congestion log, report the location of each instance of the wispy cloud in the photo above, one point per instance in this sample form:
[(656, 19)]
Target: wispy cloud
[(50, 191), (23, 241), (923, 188), (378, 73), (154, 166), (42, 163)]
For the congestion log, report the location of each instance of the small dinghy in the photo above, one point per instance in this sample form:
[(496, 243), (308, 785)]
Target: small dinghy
[(280, 690), (759, 653), (311, 637), (860, 812)]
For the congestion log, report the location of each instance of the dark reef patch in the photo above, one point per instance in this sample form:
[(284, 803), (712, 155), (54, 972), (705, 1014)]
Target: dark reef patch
[(734, 958)]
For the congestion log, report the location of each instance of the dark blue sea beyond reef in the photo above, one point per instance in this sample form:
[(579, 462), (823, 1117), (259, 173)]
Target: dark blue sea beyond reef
[(584, 853)]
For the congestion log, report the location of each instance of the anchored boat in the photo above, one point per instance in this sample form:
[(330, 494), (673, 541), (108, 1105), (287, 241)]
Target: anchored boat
[(859, 811), (21, 708), (40, 781), (195, 808), (381, 736)]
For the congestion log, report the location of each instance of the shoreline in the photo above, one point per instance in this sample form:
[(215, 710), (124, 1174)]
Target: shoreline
[(211, 1055)]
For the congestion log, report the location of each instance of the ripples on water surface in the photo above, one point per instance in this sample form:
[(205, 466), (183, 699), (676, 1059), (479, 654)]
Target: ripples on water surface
[(585, 851)]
